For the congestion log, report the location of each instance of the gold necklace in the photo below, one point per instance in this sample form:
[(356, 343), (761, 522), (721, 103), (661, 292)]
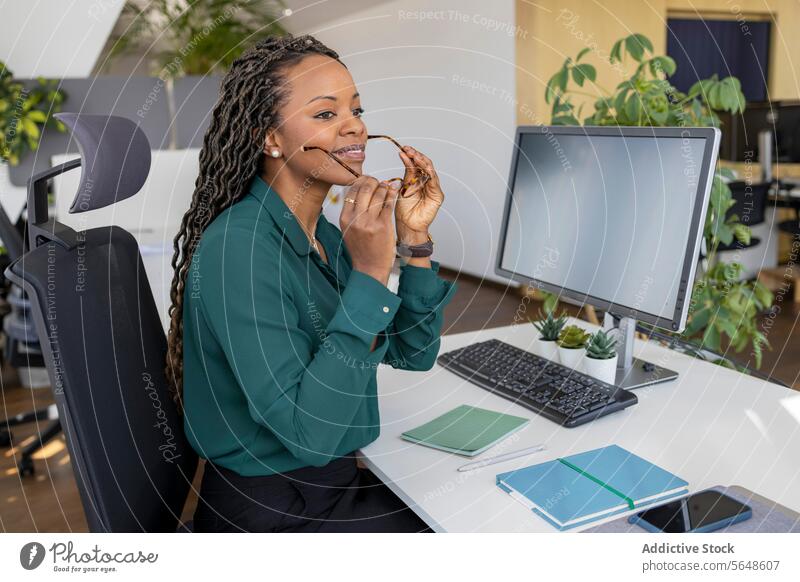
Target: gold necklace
[(312, 238)]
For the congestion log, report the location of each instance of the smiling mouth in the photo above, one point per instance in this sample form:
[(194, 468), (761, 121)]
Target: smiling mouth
[(351, 152)]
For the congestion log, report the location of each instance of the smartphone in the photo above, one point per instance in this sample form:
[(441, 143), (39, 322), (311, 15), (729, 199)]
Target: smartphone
[(700, 512)]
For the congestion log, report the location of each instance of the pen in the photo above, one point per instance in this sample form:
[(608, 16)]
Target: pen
[(501, 458)]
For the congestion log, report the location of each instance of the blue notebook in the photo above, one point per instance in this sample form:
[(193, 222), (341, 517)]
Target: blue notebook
[(578, 489)]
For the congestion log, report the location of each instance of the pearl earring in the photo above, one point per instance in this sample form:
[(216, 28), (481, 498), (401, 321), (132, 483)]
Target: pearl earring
[(276, 153)]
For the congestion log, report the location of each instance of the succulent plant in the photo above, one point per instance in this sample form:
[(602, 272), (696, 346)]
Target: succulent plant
[(573, 337), (601, 346), (549, 327)]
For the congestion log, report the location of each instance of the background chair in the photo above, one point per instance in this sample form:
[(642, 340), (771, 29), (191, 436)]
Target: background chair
[(750, 203), (784, 195), (791, 226), (22, 351), (103, 341), (750, 207)]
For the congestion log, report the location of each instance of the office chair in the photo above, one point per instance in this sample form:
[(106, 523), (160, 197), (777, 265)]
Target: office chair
[(103, 340), (22, 350), (791, 226), (750, 207)]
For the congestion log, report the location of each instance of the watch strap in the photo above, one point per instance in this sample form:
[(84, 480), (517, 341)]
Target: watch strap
[(412, 251)]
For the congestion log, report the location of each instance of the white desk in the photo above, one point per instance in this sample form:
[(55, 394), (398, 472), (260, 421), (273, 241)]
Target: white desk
[(712, 426)]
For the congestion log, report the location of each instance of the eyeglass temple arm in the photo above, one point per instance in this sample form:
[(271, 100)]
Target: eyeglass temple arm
[(341, 163), (425, 175), (334, 158), (391, 139)]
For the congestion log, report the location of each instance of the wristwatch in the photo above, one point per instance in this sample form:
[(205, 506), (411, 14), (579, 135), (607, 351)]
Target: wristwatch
[(421, 250)]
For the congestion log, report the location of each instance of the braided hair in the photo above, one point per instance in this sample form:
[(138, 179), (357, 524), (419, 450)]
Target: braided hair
[(252, 91)]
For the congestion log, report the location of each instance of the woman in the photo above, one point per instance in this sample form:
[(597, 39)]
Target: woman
[(279, 319)]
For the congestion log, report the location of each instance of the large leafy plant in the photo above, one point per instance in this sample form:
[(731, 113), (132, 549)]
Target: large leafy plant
[(723, 309), (24, 112), (195, 37)]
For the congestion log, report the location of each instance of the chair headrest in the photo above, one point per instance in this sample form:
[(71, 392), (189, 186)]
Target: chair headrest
[(115, 159)]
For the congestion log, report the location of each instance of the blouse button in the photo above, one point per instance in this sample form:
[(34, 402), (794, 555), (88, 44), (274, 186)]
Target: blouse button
[(385, 309)]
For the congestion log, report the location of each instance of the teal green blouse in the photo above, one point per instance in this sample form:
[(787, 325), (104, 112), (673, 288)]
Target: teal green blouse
[(278, 372)]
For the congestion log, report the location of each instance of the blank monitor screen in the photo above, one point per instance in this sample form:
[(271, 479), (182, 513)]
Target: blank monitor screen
[(607, 216)]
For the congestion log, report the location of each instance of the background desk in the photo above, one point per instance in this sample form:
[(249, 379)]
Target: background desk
[(712, 426)]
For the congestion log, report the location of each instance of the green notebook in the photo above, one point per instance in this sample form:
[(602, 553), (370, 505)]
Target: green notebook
[(466, 430)]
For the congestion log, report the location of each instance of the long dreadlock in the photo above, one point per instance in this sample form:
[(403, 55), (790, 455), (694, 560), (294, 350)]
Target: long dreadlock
[(252, 92)]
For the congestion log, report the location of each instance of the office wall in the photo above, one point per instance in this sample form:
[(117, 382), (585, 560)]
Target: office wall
[(556, 29), (55, 38), (784, 81), (439, 76)]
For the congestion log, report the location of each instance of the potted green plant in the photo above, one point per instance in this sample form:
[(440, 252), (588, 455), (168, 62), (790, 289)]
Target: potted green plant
[(571, 343), (548, 327), (601, 357), (724, 308), (193, 37), (24, 112)]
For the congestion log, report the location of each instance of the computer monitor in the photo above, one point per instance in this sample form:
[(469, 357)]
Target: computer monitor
[(612, 217), (740, 132)]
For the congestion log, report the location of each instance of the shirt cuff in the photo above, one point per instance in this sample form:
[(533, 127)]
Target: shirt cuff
[(424, 283), (367, 306)]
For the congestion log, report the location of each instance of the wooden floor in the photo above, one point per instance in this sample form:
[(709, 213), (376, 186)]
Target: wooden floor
[(49, 501)]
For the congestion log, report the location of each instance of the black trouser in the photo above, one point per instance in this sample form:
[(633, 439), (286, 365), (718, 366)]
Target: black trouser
[(338, 497)]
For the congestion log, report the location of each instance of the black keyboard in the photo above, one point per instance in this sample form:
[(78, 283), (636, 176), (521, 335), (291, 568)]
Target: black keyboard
[(556, 392)]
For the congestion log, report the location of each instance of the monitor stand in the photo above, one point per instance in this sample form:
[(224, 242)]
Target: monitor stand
[(632, 372)]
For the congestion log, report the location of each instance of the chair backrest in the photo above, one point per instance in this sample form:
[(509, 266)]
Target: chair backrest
[(103, 340), (751, 201), (10, 236)]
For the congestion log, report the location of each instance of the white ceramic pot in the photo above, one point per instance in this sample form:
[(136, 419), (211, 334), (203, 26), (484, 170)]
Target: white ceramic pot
[(603, 370), (572, 357), (546, 349)]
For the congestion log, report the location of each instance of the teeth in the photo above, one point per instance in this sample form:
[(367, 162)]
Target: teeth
[(349, 149)]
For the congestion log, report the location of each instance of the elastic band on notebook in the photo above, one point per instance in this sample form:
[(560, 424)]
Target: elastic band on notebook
[(599, 482)]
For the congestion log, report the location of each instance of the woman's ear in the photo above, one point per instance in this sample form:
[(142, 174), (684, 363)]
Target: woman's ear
[(269, 139), (271, 146)]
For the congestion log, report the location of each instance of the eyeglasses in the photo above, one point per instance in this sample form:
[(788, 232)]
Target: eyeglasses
[(420, 176)]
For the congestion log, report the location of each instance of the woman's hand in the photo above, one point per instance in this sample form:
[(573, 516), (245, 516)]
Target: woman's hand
[(367, 226), (416, 210)]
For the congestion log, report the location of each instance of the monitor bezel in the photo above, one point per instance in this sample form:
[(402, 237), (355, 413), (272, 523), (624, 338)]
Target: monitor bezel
[(677, 323)]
